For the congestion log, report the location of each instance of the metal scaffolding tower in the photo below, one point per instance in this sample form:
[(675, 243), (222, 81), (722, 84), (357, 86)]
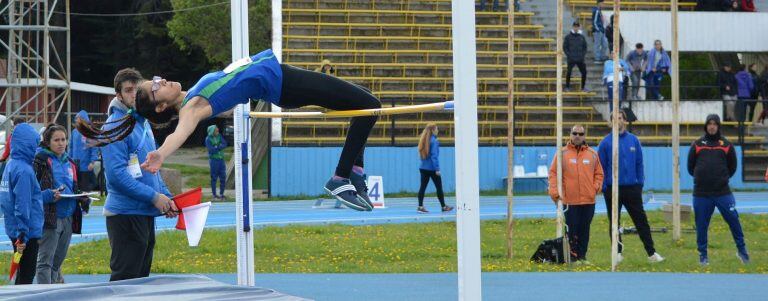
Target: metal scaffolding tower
[(34, 81)]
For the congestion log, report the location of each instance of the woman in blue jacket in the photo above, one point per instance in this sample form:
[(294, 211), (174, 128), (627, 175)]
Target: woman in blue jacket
[(83, 155), (215, 145), (63, 216), (429, 152), (22, 201), (658, 65)]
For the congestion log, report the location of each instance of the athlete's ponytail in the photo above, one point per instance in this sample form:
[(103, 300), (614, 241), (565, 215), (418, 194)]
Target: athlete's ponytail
[(99, 137)]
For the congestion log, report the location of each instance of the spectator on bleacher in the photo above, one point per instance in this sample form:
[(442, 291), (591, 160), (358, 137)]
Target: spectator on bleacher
[(631, 180), (582, 181), (84, 156), (598, 32), (326, 67), (609, 36), (429, 153), (495, 6), (755, 90), (608, 80), (713, 5), (711, 162), (726, 80), (575, 48), (637, 61), (658, 65), (745, 86), (763, 94), (746, 5)]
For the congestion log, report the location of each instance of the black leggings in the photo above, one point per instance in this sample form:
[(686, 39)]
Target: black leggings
[(425, 175), (303, 88)]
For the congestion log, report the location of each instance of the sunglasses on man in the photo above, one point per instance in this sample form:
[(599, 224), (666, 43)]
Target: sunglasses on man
[(577, 134)]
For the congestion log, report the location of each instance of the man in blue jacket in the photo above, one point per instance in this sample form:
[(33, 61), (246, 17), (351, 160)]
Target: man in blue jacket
[(598, 32), (22, 201), (135, 196), (83, 155), (216, 144), (631, 179)]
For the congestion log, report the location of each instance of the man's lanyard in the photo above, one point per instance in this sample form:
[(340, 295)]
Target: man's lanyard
[(143, 136)]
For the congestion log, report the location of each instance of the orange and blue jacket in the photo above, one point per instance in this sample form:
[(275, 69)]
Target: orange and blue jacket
[(582, 175)]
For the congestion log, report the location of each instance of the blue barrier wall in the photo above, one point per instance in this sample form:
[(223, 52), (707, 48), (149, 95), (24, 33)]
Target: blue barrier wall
[(304, 170)]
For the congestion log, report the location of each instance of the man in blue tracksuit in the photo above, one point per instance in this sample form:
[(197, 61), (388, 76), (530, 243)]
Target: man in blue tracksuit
[(83, 155), (215, 144), (631, 179), (22, 201), (135, 196), (711, 162), (598, 32)]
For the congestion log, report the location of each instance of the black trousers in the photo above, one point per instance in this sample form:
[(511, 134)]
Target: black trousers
[(579, 218), (28, 264), (86, 180), (132, 239), (582, 70), (425, 176), (303, 88), (631, 197)]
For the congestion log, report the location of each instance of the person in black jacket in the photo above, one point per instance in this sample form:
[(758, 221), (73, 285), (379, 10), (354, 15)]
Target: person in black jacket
[(726, 80), (711, 162), (575, 48)]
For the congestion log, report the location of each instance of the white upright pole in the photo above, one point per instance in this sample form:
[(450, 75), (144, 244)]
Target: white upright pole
[(243, 185), (467, 176), (277, 48), (615, 141), (676, 232)]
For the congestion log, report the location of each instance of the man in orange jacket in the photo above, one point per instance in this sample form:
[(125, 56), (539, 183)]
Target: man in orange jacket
[(582, 181)]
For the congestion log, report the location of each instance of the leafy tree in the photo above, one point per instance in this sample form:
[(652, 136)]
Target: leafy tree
[(209, 29)]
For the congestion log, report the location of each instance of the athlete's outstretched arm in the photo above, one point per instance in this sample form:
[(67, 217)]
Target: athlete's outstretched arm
[(196, 110)]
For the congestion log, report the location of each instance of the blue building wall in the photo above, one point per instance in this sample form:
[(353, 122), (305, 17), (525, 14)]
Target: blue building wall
[(304, 170)]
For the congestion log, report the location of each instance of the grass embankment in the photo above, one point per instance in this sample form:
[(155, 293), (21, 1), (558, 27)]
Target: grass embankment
[(424, 248)]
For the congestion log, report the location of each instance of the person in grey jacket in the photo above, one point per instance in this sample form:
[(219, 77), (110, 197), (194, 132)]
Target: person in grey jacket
[(575, 48), (637, 61)]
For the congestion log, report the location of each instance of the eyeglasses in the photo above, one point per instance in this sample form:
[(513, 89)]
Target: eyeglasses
[(155, 85), (577, 134)]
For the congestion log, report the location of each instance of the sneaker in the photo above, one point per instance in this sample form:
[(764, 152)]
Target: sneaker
[(703, 260), (655, 258), (421, 210), (619, 258), (743, 256), (343, 191), (447, 208), (215, 197), (585, 90), (362, 189)]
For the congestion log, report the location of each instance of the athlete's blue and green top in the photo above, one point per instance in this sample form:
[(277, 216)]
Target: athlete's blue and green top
[(258, 77)]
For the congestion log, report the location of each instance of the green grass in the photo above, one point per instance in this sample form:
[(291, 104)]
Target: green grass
[(194, 176), (426, 248)]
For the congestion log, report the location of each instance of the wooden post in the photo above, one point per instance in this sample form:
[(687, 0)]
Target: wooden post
[(510, 125), (675, 127), (615, 141), (559, 131)]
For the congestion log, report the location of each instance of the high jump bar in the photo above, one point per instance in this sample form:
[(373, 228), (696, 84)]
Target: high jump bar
[(446, 105)]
